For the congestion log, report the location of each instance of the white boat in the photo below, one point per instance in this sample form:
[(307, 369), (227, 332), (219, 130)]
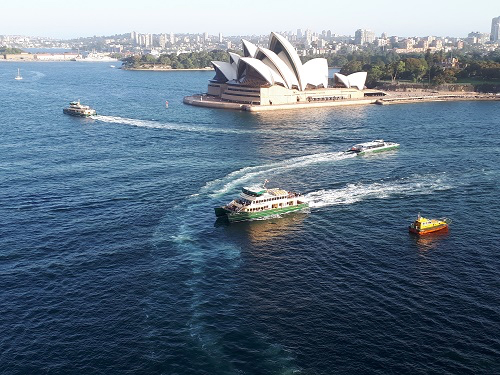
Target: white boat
[(79, 110), (378, 145), (18, 77)]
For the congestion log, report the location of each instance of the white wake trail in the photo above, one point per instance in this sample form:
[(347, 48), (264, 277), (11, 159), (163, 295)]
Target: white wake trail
[(159, 125), (356, 192), (259, 172)]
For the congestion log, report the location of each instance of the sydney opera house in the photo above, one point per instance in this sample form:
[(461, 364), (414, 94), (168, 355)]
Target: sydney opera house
[(276, 76)]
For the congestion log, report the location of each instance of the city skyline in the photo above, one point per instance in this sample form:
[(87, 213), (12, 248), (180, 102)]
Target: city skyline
[(117, 17)]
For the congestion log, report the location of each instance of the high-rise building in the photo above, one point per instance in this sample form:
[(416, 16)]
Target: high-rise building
[(308, 35), (172, 38), (362, 36), (163, 40), (478, 37), (299, 34), (205, 37), (495, 29), (220, 37)]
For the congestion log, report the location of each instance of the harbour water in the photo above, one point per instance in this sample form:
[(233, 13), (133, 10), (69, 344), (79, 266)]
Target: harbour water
[(111, 260)]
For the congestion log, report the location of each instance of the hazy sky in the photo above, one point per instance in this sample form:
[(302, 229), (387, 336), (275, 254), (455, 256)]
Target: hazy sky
[(68, 19)]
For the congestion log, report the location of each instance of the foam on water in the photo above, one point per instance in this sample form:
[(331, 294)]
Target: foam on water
[(355, 192), (154, 124), (37, 75), (257, 173)]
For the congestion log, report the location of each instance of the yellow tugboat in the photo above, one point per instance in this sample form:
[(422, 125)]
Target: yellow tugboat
[(425, 226)]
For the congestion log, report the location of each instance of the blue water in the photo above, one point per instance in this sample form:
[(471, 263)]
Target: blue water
[(111, 260)]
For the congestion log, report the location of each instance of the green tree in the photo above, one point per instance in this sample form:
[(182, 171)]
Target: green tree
[(164, 60), (415, 68), (351, 67), (441, 76), (394, 69), (375, 73)]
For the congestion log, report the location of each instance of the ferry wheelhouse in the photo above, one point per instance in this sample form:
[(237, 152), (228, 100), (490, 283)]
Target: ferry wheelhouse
[(424, 226), (259, 202), (377, 145), (79, 110)]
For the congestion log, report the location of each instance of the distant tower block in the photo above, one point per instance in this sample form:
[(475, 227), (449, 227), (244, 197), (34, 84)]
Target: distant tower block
[(495, 29)]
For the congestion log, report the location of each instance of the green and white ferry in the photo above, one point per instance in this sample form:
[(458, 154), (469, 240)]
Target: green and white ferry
[(258, 202), (377, 145)]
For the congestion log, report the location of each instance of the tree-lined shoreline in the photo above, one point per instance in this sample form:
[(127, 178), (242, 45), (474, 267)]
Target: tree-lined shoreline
[(430, 69)]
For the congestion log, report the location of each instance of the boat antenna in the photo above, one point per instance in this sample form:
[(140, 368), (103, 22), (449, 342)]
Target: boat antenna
[(265, 182)]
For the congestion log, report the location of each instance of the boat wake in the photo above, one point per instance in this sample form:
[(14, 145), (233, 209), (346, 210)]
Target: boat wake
[(356, 192), (156, 124), (38, 75), (256, 173), (150, 124)]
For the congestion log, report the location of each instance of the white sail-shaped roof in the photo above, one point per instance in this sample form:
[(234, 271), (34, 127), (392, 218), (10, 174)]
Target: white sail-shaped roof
[(340, 78), (280, 64), (271, 59), (262, 69), (234, 58), (285, 51), (249, 49), (315, 72), (224, 71), (357, 79)]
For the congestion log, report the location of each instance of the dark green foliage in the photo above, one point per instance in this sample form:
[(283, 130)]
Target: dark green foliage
[(192, 60), (429, 68), (10, 51)]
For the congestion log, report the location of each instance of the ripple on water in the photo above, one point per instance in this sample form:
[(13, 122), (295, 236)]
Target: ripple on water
[(111, 259)]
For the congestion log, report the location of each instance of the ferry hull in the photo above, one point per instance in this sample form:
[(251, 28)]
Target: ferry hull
[(77, 114), (220, 212), (245, 216), (379, 150), (438, 228)]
